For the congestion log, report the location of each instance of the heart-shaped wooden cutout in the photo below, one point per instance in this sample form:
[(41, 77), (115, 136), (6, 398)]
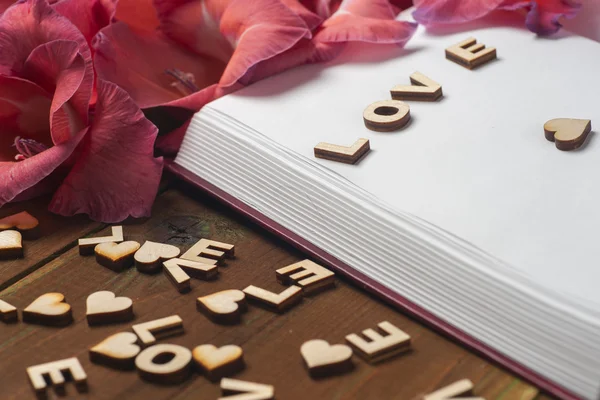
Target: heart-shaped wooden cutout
[(150, 255), (11, 245), (322, 359), (225, 306), (116, 256), (567, 133), (48, 309), (104, 307), (118, 350), (218, 362), (23, 222)]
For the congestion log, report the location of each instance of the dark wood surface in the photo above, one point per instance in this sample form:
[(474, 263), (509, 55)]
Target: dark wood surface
[(270, 341)]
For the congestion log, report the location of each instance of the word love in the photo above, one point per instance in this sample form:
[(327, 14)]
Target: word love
[(13, 229)]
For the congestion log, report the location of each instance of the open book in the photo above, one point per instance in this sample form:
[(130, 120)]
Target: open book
[(467, 217)]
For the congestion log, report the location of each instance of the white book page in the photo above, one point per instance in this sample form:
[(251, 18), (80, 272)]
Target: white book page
[(475, 163)]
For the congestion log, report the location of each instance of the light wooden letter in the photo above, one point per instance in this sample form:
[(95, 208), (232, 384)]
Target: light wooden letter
[(463, 387), (310, 276), (422, 88), (86, 246), (469, 54), (176, 370), (246, 390), (149, 331), (386, 115), (209, 252), (380, 347), (277, 302), (55, 370), (348, 155)]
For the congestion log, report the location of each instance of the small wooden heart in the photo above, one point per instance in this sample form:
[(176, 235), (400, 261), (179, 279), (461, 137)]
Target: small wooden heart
[(103, 307), (116, 256), (149, 257), (117, 351), (224, 307), (567, 133), (11, 245), (323, 359), (24, 222), (218, 362), (48, 309)]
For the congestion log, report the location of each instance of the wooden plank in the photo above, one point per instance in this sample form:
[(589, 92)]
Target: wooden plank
[(57, 234), (271, 342)]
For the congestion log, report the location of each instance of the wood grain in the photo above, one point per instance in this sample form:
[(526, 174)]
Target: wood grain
[(271, 342)]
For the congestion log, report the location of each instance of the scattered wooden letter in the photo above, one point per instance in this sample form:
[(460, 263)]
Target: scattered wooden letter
[(164, 363), (243, 390), (11, 245), (469, 54), (567, 133), (151, 254), (54, 370), (150, 331), (323, 359), (422, 88), (224, 307), (380, 347), (343, 154), (177, 271), (87, 245), (209, 252), (117, 257), (23, 222), (276, 302), (104, 308), (386, 115), (116, 351), (310, 276), (48, 309), (8, 312), (217, 363), (463, 387)]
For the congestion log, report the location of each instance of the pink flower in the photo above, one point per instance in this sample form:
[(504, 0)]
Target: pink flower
[(542, 15), (101, 160), (205, 48)]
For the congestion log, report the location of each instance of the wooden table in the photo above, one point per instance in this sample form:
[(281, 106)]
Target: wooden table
[(270, 341)]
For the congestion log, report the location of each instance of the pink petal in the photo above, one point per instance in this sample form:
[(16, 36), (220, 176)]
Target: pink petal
[(430, 12), (311, 19), (116, 174), (59, 68), (4, 4), (261, 29), (138, 14), (543, 17), (89, 16), (365, 21), (138, 62), (27, 25), (24, 110), (323, 8), (21, 176)]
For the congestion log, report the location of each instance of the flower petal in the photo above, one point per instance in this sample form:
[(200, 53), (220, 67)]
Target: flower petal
[(59, 68), (543, 17), (4, 4), (261, 30), (89, 16), (311, 19), (138, 62), (116, 174), (138, 14), (24, 110), (18, 177), (430, 12), (365, 21), (27, 25)]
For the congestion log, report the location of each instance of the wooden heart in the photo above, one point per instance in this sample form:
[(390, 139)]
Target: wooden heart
[(150, 255), (11, 245), (103, 307), (567, 133), (118, 351), (48, 309), (321, 358), (23, 222), (225, 306), (116, 256), (218, 362)]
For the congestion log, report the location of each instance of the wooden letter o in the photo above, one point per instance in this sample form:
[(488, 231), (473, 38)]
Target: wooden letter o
[(170, 371), (386, 115)]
